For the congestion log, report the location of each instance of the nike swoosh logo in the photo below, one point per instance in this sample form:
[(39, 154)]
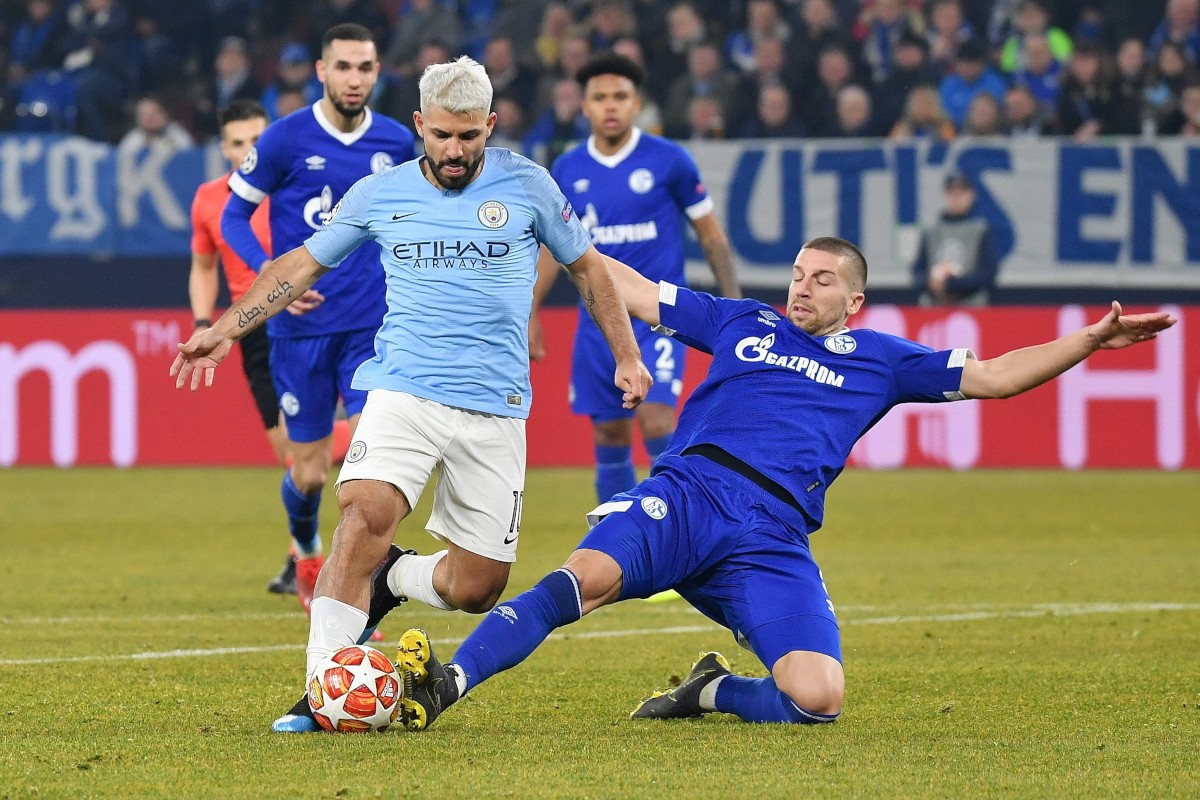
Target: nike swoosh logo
[(510, 541), (402, 216)]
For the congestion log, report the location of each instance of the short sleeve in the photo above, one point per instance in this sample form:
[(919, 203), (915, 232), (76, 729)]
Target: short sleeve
[(347, 227), (556, 224), (924, 375), (202, 240), (693, 318), (263, 168), (687, 189)]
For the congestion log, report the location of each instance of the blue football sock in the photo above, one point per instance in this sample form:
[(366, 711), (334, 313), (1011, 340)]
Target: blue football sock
[(516, 627), (614, 470), (302, 513), (759, 700), (655, 446)]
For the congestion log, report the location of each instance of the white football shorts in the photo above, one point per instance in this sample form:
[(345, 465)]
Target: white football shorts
[(401, 439)]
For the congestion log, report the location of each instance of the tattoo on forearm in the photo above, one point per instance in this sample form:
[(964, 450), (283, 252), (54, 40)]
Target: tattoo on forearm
[(282, 289), (247, 316), (589, 302)]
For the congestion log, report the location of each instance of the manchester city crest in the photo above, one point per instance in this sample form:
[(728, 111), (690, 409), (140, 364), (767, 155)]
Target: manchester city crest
[(493, 214)]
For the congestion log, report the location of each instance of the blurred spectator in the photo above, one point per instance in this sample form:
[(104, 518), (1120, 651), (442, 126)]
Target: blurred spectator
[(510, 124), (957, 261), (608, 22), (517, 21), (834, 71), (159, 57), (816, 29), (773, 118), (763, 22), (1131, 114), (574, 54), (854, 115), (1189, 107), (1042, 73), (706, 77), (97, 45), (948, 29), (289, 101), (477, 18), (231, 81), (296, 74), (649, 118), (971, 76), (560, 127), (1131, 20), (1164, 84), (1033, 19), (1085, 105), (706, 119), (421, 22), (1180, 26), (327, 13), (153, 129), (667, 61), (923, 117), (1023, 116), (555, 28), (36, 42), (984, 117), (401, 95), (912, 69), (883, 23), (768, 71), (508, 75)]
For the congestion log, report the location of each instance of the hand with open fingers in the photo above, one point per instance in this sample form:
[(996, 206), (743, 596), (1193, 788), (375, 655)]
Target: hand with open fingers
[(199, 357), (306, 303), (1119, 330), (634, 380)]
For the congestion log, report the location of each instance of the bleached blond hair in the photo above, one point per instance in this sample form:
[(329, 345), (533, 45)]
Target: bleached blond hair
[(460, 87)]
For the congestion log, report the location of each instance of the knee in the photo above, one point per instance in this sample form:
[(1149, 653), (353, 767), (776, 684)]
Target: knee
[(309, 475), (657, 421), (475, 597), (813, 681), (366, 517), (614, 433)]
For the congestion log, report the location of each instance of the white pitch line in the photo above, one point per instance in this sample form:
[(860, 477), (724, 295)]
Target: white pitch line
[(1039, 610)]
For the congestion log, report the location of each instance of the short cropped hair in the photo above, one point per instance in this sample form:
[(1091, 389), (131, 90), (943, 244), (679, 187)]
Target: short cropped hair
[(842, 249), (240, 110), (460, 87), (610, 63), (346, 32)]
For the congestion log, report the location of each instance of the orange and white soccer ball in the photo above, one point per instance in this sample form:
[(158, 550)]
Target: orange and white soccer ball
[(355, 690)]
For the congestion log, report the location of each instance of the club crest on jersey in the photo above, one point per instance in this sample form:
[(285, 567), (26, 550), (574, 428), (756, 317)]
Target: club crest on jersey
[(356, 452), (581, 185), (250, 161), (381, 161), (289, 404), (493, 214), (840, 344), (315, 162), (641, 180), (655, 507)]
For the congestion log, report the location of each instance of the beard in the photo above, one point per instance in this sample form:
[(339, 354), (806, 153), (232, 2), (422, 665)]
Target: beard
[(347, 110), (460, 181)]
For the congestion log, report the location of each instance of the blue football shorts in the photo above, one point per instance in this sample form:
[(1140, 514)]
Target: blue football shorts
[(592, 390), (311, 372), (732, 550)]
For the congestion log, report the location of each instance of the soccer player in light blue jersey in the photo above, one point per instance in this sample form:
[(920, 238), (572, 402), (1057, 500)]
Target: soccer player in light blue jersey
[(726, 514), (459, 232), (305, 162), (633, 192)]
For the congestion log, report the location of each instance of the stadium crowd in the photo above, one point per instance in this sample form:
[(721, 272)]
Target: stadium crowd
[(748, 68)]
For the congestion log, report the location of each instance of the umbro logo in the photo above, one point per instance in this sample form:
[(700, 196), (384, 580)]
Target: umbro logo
[(506, 612), (768, 317), (315, 162), (402, 216)]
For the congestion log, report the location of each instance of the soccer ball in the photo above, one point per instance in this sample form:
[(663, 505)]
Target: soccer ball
[(355, 690)]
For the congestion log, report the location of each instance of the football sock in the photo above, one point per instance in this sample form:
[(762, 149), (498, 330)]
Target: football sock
[(614, 470), (655, 446), (302, 510), (759, 700), (515, 628), (334, 625), (412, 577)]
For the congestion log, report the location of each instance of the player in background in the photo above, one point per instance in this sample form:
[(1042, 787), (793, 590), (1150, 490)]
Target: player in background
[(633, 191), (305, 162), (459, 232), (726, 514)]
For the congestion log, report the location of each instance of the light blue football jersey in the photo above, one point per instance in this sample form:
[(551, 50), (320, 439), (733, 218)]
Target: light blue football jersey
[(460, 267), (306, 165)]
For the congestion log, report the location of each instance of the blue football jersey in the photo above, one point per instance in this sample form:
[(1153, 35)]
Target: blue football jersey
[(460, 267), (789, 404), (305, 165), (634, 204)]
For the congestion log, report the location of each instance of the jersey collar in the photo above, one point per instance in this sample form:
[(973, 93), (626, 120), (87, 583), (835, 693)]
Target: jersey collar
[(342, 136), (617, 157)]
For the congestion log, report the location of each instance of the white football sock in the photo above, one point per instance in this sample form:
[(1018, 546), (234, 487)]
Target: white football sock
[(412, 577), (708, 695), (334, 625)]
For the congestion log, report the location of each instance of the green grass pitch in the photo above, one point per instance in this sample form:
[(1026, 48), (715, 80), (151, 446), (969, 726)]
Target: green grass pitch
[(1006, 634)]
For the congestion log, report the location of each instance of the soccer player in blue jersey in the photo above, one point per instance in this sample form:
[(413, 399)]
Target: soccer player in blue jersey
[(305, 162), (634, 192), (459, 232), (726, 513)]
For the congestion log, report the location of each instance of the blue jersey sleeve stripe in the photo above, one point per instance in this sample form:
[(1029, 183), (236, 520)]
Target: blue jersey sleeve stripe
[(239, 186)]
